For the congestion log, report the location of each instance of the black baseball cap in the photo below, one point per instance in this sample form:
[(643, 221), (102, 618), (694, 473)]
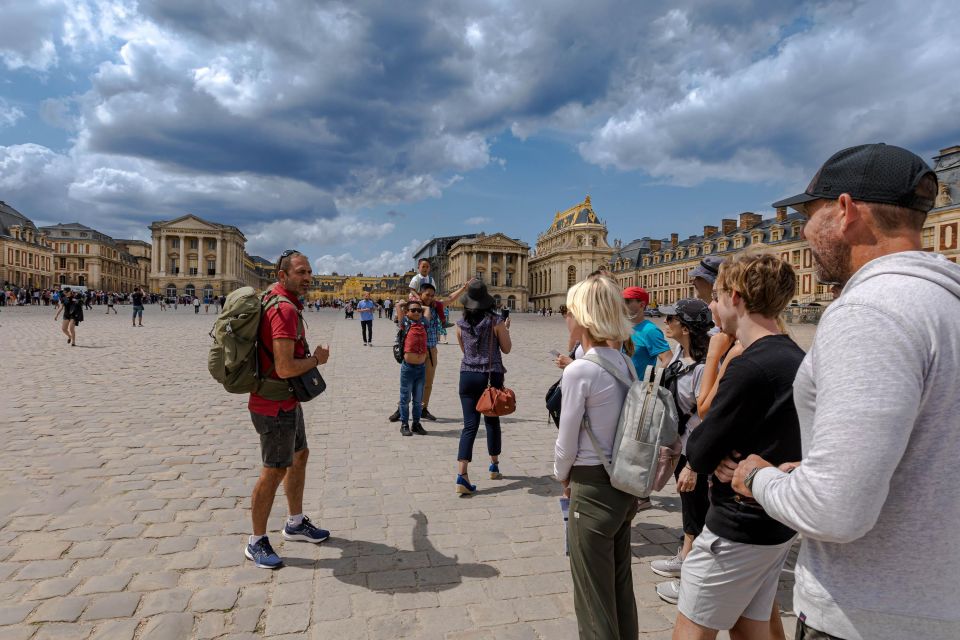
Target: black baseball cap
[(870, 173), (708, 269), (692, 312)]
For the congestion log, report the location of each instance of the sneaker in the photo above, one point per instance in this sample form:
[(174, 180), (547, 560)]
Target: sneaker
[(263, 554), (643, 504), (495, 471), (305, 531), (405, 430), (426, 415), (669, 591), (395, 416), (669, 568), (418, 429)]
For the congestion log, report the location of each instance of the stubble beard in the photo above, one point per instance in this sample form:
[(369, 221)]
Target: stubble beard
[(832, 263)]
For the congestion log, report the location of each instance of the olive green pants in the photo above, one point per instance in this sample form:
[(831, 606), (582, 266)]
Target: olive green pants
[(599, 541)]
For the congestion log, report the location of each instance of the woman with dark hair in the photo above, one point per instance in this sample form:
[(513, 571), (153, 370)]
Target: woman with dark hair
[(483, 336), (688, 322), (72, 309)]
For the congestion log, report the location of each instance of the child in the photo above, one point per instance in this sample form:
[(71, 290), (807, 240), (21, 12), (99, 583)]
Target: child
[(413, 371)]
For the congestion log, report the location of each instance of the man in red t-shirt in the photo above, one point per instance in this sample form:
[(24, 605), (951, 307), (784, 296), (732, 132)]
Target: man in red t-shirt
[(283, 354)]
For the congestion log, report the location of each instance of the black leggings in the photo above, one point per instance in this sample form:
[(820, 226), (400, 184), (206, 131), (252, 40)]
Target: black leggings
[(366, 326), (694, 504)]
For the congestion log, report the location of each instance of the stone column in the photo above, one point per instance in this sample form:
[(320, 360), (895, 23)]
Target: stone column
[(163, 255), (217, 262)]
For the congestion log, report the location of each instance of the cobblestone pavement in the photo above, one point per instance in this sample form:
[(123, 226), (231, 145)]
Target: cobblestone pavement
[(126, 472)]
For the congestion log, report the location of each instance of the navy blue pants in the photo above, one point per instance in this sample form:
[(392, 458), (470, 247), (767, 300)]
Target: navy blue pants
[(472, 385)]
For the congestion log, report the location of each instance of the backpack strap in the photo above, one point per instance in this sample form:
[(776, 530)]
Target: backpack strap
[(607, 464), (269, 303), (625, 380)]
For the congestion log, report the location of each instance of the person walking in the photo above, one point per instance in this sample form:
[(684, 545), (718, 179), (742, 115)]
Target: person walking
[(878, 404), (598, 531), (111, 299), (72, 309), (137, 306), (412, 369), (365, 307), (196, 304), (483, 336), (277, 416)]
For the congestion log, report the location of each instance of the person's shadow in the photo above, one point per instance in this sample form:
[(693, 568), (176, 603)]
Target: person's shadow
[(384, 568)]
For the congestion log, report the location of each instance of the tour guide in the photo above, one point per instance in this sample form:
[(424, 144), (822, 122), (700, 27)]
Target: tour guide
[(278, 416)]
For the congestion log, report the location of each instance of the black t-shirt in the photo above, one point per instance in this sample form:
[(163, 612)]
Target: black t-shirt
[(137, 299), (753, 412)]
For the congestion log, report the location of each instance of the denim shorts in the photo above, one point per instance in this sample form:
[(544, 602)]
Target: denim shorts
[(280, 436)]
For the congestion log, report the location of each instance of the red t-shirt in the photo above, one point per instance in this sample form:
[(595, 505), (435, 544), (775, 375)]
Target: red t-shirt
[(279, 321), (416, 341)]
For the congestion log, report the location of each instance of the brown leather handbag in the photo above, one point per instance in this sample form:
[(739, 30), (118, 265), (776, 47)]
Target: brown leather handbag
[(495, 402)]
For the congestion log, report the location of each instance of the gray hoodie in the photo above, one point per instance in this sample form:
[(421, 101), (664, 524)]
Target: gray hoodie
[(876, 498)]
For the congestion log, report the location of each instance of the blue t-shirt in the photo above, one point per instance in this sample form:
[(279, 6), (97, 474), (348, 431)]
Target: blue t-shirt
[(362, 307), (648, 343)]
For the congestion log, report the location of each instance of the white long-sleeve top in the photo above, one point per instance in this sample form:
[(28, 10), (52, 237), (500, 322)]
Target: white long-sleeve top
[(587, 387)]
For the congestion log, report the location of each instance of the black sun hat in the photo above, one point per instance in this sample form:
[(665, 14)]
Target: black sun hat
[(870, 173), (477, 297), (693, 312)]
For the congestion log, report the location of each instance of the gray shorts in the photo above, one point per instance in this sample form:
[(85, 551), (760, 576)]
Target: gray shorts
[(723, 580), (280, 436)]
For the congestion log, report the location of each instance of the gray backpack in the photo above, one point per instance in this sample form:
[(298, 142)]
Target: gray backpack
[(646, 448)]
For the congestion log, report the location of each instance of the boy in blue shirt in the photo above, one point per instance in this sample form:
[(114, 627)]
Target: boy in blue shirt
[(366, 307), (649, 345)]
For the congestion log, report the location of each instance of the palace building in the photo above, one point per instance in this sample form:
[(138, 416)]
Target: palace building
[(941, 229), (26, 258), (196, 257), (574, 246), (89, 258), (328, 288), (499, 261)]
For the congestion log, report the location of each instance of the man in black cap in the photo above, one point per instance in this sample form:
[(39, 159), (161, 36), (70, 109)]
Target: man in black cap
[(877, 401), (704, 275)]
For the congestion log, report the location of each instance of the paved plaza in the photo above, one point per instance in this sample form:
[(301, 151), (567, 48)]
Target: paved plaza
[(125, 479)]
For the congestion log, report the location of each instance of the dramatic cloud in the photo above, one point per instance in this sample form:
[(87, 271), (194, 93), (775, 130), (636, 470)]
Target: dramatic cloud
[(387, 262), (273, 237)]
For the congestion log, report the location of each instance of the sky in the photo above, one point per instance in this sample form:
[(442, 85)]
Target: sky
[(355, 131)]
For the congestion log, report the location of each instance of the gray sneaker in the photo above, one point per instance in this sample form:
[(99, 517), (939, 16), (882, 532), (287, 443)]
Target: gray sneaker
[(669, 591), (669, 568)]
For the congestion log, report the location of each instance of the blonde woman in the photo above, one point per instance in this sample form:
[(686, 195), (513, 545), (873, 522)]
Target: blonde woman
[(600, 516)]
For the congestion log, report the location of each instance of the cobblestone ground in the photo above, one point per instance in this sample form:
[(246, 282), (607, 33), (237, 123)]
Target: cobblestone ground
[(126, 472)]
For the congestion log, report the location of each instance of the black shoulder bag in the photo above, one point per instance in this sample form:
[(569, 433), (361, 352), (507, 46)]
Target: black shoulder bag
[(310, 384), (554, 396)]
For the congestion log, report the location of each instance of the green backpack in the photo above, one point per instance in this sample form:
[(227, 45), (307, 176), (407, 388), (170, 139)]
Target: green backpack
[(232, 359)]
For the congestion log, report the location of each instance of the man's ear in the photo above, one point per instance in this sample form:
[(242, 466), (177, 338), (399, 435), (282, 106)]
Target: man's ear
[(850, 212)]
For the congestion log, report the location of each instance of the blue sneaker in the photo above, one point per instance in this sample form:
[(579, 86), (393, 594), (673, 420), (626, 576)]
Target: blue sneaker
[(263, 554), (495, 471), (305, 532)]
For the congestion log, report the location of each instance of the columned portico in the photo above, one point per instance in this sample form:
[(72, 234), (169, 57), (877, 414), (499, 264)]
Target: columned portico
[(219, 243)]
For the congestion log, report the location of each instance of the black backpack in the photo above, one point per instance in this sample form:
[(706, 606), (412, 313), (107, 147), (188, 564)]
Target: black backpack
[(554, 396), (398, 342), (671, 375)]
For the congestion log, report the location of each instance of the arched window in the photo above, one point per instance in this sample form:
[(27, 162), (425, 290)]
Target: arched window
[(512, 303), (190, 290), (208, 292), (496, 300), (571, 276), (171, 291)]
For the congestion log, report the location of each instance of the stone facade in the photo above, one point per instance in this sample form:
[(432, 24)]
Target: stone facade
[(940, 233), (89, 258), (437, 252), (336, 287), (258, 272), (574, 246), (195, 257), (142, 253), (499, 261), (26, 258)]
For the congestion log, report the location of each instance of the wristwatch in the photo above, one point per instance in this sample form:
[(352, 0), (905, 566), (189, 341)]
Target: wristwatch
[(748, 481)]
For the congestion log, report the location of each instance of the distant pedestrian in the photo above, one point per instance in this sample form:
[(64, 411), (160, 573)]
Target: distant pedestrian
[(196, 304), (138, 306), (111, 298), (365, 307), (72, 309)]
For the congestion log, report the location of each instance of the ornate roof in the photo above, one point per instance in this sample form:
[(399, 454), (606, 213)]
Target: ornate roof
[(10, 217), (581, 213)]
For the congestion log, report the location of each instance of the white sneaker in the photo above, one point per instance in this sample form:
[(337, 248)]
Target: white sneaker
[(669, 568), (669, 591)]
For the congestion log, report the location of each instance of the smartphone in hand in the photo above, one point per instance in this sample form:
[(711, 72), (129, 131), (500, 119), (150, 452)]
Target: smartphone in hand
[(555, 353)]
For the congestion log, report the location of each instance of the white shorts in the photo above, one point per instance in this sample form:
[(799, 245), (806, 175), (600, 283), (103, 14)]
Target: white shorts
[(723, 580)]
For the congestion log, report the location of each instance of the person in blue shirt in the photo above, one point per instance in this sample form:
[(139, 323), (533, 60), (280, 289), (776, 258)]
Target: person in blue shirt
[(649, 345), (366, 307)]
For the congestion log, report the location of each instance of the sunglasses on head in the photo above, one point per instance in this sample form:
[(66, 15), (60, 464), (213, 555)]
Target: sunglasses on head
[(286, 254)]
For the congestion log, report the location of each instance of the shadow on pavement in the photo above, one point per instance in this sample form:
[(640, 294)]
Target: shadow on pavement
[(543, 486), (387, 569)]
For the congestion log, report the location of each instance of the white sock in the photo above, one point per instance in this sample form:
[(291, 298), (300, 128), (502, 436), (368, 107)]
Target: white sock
[(255, 539), (294, 521)]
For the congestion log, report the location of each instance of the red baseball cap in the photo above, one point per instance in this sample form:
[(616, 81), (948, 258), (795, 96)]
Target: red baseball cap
[(636, 293)]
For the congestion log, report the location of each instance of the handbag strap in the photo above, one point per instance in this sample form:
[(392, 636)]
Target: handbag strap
[(493, 337)]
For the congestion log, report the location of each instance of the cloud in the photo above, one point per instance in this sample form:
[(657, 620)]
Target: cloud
[(9, 114), (477, 220), (274, 237), (387, 262)]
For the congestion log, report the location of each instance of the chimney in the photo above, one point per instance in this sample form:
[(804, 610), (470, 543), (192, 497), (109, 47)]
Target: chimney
[(709, 230), (654, 245), (749, 219), (674, 238), (781, 214), (728, 226)]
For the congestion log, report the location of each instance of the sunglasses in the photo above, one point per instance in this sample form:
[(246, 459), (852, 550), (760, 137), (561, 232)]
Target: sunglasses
[(415, 309), (286, 254)]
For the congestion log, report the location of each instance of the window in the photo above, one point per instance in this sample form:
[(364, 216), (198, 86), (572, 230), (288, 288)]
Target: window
[(722, 246), (211, 267), (494, 278), (509, 258), (171, 291), (193, 271), (82, 281), (795, 258), (81, 264), (207, 292), (66, 234), (693, 252), (926, 238), (571, 276), (190, 290), (63, 263), (757, 238), (509, 279), (776, 234), (84, 235), (512, 302), (174, 268), (175, 243), (738, 242), (211, 244), (194, 243)]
